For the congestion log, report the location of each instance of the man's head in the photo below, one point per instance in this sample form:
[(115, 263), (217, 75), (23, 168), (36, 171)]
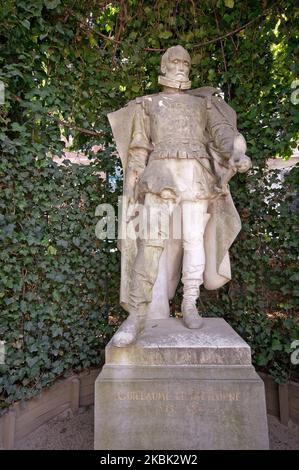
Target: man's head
[(176, 63)]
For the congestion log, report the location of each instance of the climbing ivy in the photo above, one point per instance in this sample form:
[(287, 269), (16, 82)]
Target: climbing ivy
[(65, 64)]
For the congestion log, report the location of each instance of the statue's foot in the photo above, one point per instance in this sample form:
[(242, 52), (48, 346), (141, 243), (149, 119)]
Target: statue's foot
[(129, 331), (191, 317)]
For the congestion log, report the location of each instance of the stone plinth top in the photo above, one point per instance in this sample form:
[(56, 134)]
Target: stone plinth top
[(169, 342)]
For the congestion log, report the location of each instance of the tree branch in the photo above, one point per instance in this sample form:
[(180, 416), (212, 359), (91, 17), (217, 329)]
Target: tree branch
[(116, 41), (67, 124), (211, 41), (205, 43), (76, 128)]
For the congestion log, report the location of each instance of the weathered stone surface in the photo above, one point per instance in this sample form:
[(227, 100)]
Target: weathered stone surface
[(169, 342), (154, 395)]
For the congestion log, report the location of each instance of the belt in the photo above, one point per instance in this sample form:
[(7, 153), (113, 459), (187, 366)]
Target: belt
[(184, 155)]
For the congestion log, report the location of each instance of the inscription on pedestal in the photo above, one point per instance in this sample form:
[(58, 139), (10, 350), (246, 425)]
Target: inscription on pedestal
[(169, 402), (167, 396)]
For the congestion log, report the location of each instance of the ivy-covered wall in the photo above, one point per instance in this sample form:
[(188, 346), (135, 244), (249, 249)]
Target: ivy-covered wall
[(65, 64)]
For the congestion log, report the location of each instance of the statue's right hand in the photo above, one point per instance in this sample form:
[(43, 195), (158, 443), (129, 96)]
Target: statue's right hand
[(130, 194), (131, 202), (131, 185)]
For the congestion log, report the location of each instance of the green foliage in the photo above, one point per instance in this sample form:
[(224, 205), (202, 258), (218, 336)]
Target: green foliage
[(65, 65), (261, 301)]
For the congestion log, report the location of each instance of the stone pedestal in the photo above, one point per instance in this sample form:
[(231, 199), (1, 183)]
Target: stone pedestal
[(181, 389)]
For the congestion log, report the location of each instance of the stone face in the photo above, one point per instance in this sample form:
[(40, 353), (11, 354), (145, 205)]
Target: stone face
[(180, 389)]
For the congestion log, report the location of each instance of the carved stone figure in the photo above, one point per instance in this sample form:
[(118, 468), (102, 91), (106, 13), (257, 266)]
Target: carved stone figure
[(179, 149)]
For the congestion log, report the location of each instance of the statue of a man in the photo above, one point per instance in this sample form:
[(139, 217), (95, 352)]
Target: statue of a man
[(179, 148)]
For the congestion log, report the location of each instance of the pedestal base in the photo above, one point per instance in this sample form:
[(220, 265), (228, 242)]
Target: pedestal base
[(181, 389)]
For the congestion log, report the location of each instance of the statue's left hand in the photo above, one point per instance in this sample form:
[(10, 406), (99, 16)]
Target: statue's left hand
[(239, 160), (243, 164)]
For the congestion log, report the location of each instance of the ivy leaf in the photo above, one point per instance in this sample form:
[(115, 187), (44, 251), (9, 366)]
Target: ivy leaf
[(56, 331), (26, 24), (229, 3), (52, 250), (165, 34), (276, 345), (51, 4), (262, 359)]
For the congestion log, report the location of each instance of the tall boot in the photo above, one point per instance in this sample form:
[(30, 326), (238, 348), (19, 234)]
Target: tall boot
[(193, 267), (191, 317)]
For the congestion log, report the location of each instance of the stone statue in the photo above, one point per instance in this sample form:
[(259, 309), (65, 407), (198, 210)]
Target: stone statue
[(179, 149)]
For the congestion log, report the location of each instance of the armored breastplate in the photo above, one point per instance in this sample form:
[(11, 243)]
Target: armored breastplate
[(177, 124)]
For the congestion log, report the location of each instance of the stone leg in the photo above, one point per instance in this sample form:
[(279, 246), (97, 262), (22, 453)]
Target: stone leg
[(195, 218), (152, 240), (159, 305)]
